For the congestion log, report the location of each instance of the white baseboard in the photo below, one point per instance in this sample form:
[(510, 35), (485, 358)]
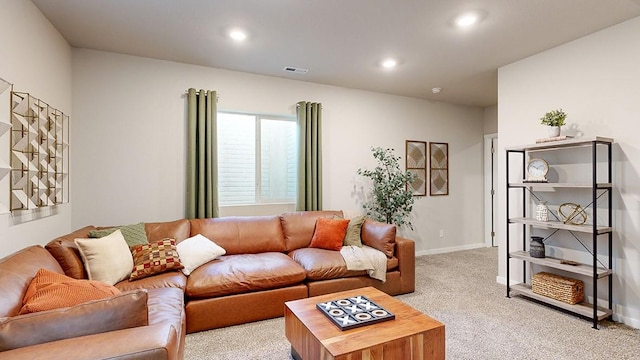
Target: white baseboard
[(450, 249)]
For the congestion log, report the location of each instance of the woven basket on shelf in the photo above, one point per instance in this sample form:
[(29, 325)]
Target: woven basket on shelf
[(570, 291)]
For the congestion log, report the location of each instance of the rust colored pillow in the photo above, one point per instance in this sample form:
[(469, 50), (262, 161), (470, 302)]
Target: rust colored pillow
[(154, 258), (49, 290), (329, 233)]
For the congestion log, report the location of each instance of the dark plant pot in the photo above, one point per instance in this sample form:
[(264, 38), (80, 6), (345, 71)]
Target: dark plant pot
[(536, 247)]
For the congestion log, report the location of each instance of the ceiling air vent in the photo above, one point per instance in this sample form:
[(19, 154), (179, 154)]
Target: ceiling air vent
[(295, 70)]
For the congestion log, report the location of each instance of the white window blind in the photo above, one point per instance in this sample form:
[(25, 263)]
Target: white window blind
[(257, 159)]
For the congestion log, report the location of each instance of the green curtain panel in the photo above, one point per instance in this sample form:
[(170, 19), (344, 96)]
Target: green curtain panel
[(202, 155), (309, 156)]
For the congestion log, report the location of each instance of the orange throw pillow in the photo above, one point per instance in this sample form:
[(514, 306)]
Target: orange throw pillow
[(329, 233), (50, 290)]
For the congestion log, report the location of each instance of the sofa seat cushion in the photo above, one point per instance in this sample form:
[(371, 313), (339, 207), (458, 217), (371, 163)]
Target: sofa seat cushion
[(321, 264), (166, 305), (171, 279), (234, 274)]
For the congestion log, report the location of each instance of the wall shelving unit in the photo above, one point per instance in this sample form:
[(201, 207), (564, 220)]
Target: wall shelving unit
[(596, 270)]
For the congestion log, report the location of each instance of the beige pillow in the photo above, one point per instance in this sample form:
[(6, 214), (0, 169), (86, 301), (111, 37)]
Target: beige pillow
[(196, 251), (107, 259), (353, 232)]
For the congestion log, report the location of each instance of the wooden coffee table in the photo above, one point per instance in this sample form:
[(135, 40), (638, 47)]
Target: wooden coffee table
[(411, 335)]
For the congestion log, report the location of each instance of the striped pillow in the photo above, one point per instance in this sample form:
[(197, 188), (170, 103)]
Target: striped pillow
[(50, 290), (154, 258)]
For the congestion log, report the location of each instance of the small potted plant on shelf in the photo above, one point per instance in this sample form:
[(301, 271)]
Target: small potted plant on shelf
[(554, 119)]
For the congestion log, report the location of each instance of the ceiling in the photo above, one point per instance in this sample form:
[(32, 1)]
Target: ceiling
[(342, 42)]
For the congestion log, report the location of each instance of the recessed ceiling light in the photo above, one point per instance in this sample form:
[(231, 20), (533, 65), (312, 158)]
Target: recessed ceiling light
[(466, 20), (238, 35), (436, 90), (389, 63)]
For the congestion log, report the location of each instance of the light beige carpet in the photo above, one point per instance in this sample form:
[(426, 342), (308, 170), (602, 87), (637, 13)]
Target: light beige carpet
[(460, 290)]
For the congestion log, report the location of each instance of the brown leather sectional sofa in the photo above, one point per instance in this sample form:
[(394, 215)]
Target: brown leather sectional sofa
[(267, 263)]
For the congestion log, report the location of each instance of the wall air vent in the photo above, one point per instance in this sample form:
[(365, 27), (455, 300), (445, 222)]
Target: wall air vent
[(295, 70)]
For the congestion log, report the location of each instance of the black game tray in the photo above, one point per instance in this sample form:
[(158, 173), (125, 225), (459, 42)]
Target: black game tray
[(353, 312)]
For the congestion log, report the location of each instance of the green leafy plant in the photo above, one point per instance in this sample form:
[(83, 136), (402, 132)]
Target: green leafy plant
[(390, 200), (554, 118)]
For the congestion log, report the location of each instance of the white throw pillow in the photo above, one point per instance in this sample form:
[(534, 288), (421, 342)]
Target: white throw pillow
[(196, 251), (107, 259)]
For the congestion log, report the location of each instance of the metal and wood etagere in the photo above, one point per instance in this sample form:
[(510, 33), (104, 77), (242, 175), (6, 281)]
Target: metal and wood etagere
[(596, 270)]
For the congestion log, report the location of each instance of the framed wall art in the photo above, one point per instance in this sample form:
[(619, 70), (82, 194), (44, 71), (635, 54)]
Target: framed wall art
[(416, 163), (439, 168)]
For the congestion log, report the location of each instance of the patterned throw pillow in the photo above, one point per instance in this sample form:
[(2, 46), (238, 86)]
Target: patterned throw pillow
[(133, 234), (154, 258), (49, 290)]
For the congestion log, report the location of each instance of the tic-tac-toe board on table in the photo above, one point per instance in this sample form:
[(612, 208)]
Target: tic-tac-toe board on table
[(353, 312)]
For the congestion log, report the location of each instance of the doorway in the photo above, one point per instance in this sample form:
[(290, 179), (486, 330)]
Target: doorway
[(490, 183)]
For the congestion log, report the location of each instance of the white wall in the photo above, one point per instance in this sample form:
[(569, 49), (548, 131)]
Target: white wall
[(130, 126), (596, 81), (36, 59), (491, 119)]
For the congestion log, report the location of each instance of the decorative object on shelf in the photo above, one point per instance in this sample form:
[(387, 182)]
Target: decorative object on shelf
[(439, 168), (390, 201), (416, 163), (537, 170), (39, 153), (536, 247), (570, 291), (571, 213), (542, 211), (554, 119)]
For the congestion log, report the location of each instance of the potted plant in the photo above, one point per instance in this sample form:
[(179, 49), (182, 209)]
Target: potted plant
[(554, 119), (390, 200)]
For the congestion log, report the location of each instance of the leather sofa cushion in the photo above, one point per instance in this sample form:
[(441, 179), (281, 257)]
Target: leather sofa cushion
[(171, 279), (16, 272), (242, 235), (66, 252), (298, 227), (321, 264), (379, 236), (118, 312), (179, 230), (234, 274)]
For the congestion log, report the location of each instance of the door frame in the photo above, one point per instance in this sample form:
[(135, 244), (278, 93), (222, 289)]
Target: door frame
[(490, 183)]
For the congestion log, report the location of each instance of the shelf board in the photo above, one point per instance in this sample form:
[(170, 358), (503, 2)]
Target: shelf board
[(585, 228), (548, 185), (582, 269), (561, 144), (584, 309)]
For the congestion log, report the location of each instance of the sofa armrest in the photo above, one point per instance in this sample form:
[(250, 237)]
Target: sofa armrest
[(153, 342), (126, 310), (405, 251)]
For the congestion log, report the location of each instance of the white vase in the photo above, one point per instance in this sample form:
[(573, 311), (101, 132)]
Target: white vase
[(542, 211), (554, 131)]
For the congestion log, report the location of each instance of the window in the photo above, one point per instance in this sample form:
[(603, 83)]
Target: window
[(257, 159)]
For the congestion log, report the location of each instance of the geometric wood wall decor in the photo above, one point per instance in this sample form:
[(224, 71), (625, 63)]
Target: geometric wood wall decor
[(5, 139), (416, 163), (439, 168), (39, 153)]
